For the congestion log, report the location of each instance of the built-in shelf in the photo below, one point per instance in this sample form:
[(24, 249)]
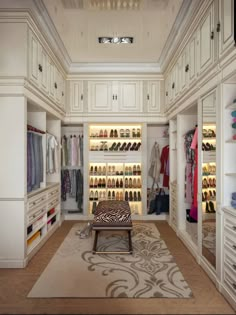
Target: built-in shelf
[(230, 174), (208, 138), (114, 138)]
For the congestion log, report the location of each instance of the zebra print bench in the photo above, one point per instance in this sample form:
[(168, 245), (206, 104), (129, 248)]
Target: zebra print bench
[(112, 215)]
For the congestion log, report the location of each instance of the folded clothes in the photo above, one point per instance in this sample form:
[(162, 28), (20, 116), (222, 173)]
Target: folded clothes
[(234, 119), (233, 114), (234, 196), (234, 137), (234, 125)]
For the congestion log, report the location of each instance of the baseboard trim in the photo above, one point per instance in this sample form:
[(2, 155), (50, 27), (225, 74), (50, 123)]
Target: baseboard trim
[(188, 243), (209, 270), (228, 296), (19, 263)]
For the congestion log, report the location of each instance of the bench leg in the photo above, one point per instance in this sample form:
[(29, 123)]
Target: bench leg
[(130, 242), (95, 242)]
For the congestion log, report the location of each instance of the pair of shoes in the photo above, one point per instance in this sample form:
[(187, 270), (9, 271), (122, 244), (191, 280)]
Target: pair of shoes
[(210, 133), (205, 183)]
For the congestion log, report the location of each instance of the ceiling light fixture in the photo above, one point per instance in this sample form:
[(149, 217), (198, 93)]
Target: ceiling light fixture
[(116, 40)]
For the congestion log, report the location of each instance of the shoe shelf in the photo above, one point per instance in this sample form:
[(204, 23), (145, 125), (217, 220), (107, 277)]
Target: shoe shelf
[(122, 181), (209, 170)]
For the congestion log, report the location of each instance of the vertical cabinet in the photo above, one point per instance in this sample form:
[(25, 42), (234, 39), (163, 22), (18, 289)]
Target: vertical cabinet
[(207, 39), (225, 26), (76, 96), (100, 97), (152, 96), (43, 72), (129, 96)]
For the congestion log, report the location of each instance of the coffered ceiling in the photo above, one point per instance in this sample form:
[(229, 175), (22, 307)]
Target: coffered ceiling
[(79, 23)]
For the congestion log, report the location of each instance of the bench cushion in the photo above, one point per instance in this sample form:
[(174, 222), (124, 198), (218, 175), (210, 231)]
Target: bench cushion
[(112, 214)]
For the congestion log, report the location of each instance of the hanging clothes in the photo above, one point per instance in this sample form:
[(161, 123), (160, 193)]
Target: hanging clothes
[(52, 154), (79, 190), (72, 151), (165, 165), (35, 169), (194, 147), (155, 164)]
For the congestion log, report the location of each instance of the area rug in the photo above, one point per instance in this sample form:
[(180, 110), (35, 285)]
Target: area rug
[(150, 272)]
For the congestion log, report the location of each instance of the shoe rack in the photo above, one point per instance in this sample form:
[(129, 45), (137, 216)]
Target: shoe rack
[(209, 170), (115, 164), (116, 181)]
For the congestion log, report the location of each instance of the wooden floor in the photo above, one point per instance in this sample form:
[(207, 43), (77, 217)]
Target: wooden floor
[(16, 283)]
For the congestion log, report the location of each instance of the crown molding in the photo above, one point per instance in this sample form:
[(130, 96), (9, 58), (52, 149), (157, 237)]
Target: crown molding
[(78, 68), (178, 31), (49, 30)]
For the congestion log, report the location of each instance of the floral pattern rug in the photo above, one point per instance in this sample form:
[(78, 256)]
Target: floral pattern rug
[(150, 272)]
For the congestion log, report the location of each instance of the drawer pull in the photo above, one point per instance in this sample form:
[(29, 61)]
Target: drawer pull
[(234, 285), (234, 266), (34, 203), (234, 247), (234, 228)]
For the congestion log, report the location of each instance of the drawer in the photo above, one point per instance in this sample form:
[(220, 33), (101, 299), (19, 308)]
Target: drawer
[(230, 263), (53, 203), (36, 201), (230, 224), (36, 213), (229, 244), (230, 282), (53, 192)]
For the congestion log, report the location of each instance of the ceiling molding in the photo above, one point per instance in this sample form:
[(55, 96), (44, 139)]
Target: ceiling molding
[(177, 32), (51, 34), (78, 68)]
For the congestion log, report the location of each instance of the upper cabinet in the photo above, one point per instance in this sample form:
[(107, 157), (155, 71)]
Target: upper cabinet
[(76, 97), (225, 25), (43, 73), (114, 96), (207, 37), (152, 96)]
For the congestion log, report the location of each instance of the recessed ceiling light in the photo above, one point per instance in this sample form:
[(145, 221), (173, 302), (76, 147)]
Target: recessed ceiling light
[(116, 40)]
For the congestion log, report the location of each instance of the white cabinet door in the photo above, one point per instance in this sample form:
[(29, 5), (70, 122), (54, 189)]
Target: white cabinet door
[(167, 89), (172, 85), (184, 68), (153, 97), (33, 58), (51, 78), (100, 96), (76, 97), (207, 38), (129, 94), (226, 25), (43, 69), (191, 66), (57, 84)]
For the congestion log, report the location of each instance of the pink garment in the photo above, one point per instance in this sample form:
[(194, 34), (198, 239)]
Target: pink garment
[(193, 212), (234, 119), (194, 141)]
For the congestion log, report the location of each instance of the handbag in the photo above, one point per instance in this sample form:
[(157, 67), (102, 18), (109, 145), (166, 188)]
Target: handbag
[(162, 202)]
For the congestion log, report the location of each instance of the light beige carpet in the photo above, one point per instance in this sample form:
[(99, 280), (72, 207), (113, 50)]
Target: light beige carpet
[(150, 272)]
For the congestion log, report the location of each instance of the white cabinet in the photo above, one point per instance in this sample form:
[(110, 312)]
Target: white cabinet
[(206, 39), (191, 64), (129, 96), (100, 97), (152, 96), (43, 72), (76, 96), (33, 58), (225, 26), (184, 69), (114, 96)]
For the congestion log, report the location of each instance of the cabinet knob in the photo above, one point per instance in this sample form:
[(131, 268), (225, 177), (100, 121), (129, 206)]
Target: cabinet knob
[(55, 85), (173, 85), (40, 68), (148, 97), (234, 285), (186, 68), (212, 35), (218, 27), (116, 97), (113, 97), (166, 93), (81, 97)]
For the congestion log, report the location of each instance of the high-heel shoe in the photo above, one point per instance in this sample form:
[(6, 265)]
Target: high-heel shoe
[(112, 148), (117, 146), (138, 170), (101, 134), (204, 147), (130, 196), (208, 147), (205, 183), (132, 148), (137, 146), (115, 134), (123, 146), (111, 133), (207, 207), (135, 196), (212, 208), (139, 196), (128, 146), (126, 196)]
